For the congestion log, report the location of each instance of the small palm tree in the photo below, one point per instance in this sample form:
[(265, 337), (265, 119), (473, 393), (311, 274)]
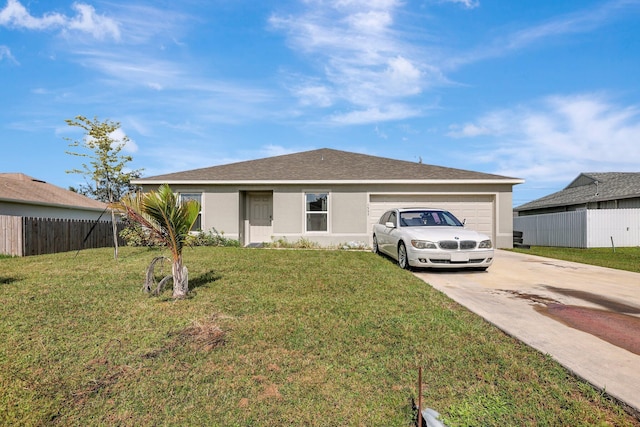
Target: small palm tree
[(167, 219)]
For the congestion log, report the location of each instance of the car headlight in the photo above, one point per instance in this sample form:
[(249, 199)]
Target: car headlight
[(423, 244), (485, 244)]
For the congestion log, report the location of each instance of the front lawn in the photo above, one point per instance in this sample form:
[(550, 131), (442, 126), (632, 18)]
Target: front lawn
[(269, 337), (618, 258)]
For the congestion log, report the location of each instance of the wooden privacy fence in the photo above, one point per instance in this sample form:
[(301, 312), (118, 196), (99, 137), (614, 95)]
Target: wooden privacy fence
[(23, 236)]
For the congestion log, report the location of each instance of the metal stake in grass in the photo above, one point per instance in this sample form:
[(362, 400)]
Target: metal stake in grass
[(430, 417), (420, 396)]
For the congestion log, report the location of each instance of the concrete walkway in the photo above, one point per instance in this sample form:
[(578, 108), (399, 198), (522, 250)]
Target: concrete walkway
[(507, 294)]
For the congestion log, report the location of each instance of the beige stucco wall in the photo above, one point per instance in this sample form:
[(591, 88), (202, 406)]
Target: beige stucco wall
[(347, 220), (288, 211), (349, 212), (223, 208), (504, 219)]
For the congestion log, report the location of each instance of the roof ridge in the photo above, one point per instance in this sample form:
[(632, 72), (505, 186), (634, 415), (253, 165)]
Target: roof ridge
[(321, 165)]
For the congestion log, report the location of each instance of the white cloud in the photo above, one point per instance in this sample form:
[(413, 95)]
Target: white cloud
[(559, 137), (403, 76), (118, 136), (380, 133), (140, 70), (375, 115), (469, 4), (160, 26), (86, 20), (273, 150), (360, 57), (467, 130), (314, 94), (585, 20), (371, 21), (16, 15), (5, 53)]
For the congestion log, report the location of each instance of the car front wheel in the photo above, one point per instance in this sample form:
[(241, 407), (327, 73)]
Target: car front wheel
[(403, 259), (376, 250)]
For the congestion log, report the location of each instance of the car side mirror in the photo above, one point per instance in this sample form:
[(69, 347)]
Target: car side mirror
[(389, 224)]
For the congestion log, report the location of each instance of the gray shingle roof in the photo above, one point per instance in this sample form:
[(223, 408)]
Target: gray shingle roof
[(322, 165), (583, 189), (18, 187)]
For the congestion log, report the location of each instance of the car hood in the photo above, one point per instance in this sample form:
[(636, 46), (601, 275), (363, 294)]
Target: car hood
[(444, 233)]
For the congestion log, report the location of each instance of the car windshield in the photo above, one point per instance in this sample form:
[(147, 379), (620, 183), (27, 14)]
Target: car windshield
[(425, 218)]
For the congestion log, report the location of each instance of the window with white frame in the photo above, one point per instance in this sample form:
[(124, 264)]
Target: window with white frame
[(197, 226), (317, 211)]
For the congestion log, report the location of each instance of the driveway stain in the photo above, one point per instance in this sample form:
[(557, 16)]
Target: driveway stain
[(540, 299), (611, 324), (610, 304), (621, 330)]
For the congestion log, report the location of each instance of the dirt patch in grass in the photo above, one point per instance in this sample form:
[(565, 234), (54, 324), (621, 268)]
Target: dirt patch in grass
[(202, 335), (107, 380)]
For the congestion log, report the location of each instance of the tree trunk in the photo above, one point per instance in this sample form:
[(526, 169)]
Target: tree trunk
[(114, 226), (180, 279), (115, 234)]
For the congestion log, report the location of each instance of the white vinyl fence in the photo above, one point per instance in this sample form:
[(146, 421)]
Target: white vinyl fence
[(595, 228)]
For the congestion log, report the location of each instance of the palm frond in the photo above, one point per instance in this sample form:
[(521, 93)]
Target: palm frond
[(163, 213)]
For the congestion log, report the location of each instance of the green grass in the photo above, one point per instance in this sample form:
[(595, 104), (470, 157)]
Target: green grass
[(317, 338), (620, 258)]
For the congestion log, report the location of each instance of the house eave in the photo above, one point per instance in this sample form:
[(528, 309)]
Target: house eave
[(51, 205), (574, 203), (329, 182)]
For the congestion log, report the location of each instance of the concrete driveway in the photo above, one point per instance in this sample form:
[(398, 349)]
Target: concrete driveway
[(528, 297)]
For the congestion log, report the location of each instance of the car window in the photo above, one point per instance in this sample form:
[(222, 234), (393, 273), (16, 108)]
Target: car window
[(424, 218), (449, 219), (393, 218), (384, 218)]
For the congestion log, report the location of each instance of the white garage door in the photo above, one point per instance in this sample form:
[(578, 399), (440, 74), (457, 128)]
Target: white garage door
[(475, 210)]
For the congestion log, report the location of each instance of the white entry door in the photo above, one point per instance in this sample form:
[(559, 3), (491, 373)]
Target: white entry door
[(260, 217)]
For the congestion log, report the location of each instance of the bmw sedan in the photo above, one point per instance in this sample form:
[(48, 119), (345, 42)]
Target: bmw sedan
[(430, 238)]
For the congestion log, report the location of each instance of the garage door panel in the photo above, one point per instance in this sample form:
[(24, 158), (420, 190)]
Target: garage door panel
[(475, 210)]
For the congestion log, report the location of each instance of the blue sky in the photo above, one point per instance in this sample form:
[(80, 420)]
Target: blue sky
[(535, 89)]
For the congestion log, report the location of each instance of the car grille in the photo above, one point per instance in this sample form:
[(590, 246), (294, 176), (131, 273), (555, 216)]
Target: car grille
[(453, 244), (446, 261), (467, 244), (448, 244)]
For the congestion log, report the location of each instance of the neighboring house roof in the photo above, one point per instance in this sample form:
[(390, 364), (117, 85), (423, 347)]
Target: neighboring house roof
[(324, 165), (21, 188), (590, 187)]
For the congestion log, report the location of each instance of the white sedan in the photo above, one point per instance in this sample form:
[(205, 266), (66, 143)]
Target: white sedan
[(430, 238)]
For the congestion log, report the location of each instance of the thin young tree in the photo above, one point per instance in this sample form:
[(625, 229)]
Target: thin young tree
[(167, 218), (107, 177)]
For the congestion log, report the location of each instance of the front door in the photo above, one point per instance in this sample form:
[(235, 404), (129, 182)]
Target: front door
[(260, 217)]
